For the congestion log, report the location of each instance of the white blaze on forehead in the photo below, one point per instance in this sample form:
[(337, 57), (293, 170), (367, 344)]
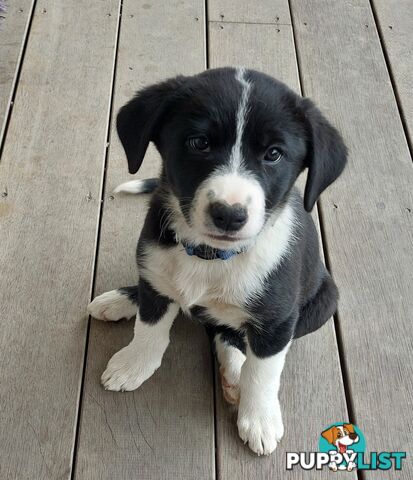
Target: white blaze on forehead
[(241, 119), (230, 183)]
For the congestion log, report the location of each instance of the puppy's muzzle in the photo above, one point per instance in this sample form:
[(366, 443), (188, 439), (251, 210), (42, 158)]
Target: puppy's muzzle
[(229, 218)]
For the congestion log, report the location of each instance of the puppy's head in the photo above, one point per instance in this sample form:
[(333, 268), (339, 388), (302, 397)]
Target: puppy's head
[(233, 142), (341, 436)]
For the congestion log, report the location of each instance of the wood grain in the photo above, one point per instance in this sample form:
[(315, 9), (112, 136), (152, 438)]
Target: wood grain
[(13, 31), (50, 175), (261, 12), (50, 182), (312, 395), (395, 18), (165, 429), (367, 216)]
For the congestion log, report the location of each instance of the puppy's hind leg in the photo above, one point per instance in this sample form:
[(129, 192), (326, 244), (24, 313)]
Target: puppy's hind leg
[(229, 350), (315, 313), (115, 305)]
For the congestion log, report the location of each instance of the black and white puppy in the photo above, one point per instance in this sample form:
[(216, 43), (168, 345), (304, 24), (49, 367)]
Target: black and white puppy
[(227, 238)]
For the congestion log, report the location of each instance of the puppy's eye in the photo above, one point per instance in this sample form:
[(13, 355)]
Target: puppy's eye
[(272, 155), (200, 143)]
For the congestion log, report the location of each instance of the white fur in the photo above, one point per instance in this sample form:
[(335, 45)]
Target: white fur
[(134, 186), (242, 113), (112, 306), (220, 286), (231, 184), (231, 188), (230, 360), (134, 364), (259, 413)]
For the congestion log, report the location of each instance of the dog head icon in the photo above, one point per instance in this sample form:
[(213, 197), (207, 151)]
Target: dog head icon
[(341, 436)]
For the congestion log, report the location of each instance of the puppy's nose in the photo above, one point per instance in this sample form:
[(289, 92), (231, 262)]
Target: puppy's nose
[(353, 436), (228, 217)]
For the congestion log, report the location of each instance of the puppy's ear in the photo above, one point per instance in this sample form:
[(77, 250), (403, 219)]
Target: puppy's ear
[(330, 434), (350, 427), (138, 120), (326, 157)]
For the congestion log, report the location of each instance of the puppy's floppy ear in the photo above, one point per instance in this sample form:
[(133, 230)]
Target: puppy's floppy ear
[(330, 435), (326, 157), (137, 121), (350, 427)]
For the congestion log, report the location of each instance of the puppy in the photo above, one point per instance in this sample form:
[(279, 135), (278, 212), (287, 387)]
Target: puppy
[(341, 437), (227, 238)]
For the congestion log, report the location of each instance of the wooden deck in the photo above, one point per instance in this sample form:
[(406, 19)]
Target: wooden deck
[(65, 69)]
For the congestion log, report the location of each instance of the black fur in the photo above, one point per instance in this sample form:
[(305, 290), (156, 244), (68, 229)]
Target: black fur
[(152, 305), (299, 296), (318, 309), (150, 185), (154, 228), (235, 338), (131, 292), (137, 120), (326, 157)]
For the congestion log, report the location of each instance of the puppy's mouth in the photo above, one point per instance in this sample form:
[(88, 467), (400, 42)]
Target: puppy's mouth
[(225, 237), (342, 448)]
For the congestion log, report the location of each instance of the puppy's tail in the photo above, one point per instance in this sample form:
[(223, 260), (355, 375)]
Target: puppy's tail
[(2, 10), (138, 186)]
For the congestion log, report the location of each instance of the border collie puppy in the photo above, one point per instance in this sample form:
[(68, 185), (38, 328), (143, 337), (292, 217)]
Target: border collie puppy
[(227, 238)]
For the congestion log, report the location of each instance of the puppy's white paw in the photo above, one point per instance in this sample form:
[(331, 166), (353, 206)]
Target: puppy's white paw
[(129, 368), (112, 306), (230, 360), (351, 466), (262, 430), (332, 466), (230, 387)]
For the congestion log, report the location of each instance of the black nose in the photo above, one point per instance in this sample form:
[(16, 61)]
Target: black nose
[(228, 217), (353, 436)]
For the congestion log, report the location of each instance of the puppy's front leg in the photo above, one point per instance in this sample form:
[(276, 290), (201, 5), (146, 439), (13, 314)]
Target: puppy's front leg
[(134, 364), (259, 414)]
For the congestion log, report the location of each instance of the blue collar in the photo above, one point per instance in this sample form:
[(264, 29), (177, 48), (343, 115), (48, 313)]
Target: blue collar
[(209, 253)]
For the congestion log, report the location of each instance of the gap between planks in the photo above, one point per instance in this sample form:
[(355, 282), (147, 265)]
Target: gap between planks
[(15, 83), (392, 77), (73, 462), (249, 23), (324, 248)]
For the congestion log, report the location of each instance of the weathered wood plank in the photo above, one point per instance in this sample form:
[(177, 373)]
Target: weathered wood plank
[(13, 32), (367, 216), (165, 429), (258, 45), (395, 19), (50, 175), (249, 12), (312, 395)]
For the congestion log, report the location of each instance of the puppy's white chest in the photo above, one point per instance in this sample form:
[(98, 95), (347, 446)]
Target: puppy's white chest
[(221, 286), (213, 284)]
